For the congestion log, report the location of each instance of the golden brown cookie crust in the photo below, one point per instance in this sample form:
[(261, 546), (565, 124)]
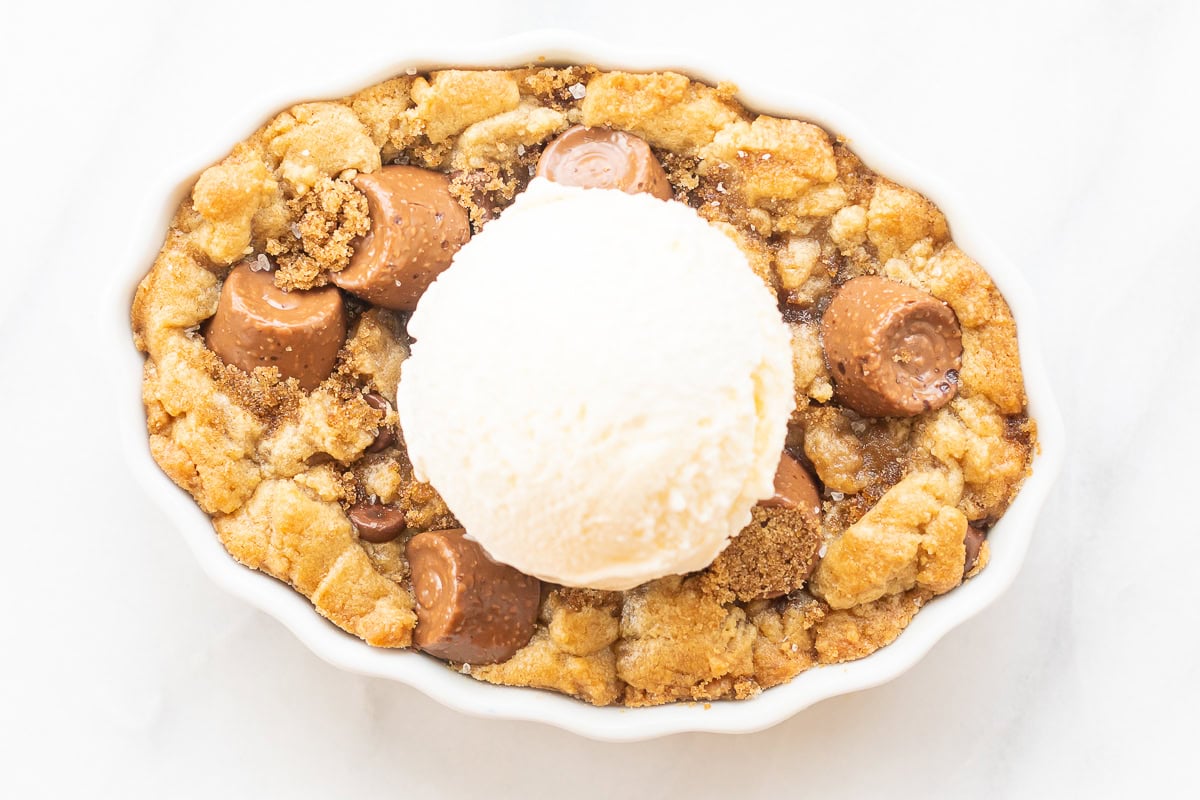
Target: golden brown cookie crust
[(277, 468)]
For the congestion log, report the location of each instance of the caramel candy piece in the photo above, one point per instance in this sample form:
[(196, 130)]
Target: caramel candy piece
[(258, 324), (416, 228), (601, 158), (893, 351), (794, 488), (469, 608), (375, 522)]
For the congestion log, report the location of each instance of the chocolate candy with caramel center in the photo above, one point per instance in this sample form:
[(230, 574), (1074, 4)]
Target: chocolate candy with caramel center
[(893, 351), (601, 158), (469, 607), (416, 228), (258, 324)]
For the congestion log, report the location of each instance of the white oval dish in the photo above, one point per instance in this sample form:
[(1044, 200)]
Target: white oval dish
[(1009, 538)]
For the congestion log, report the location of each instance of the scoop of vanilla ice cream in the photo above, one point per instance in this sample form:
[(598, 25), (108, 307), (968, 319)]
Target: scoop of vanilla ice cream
[(599, 388)]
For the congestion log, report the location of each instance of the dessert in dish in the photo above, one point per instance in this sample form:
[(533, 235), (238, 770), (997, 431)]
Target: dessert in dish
[(590, 381)]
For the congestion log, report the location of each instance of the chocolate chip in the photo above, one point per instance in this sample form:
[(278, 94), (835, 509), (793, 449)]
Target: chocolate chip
[(376, 522), (973, 540), (386, 437), (469, 608)]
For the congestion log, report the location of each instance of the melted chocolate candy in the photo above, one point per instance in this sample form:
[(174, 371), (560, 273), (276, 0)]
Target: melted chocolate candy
[(974, 541), (469, 607), (893, 351), (375, 522), (416, 228), (795, 488), (386, 437), (601, 158), (259, 325)]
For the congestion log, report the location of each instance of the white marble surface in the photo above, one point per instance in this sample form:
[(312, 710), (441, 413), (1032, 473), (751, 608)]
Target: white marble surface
[(1071, 125)]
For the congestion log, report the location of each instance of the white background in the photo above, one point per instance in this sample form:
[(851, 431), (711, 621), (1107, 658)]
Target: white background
[(1072, 127)]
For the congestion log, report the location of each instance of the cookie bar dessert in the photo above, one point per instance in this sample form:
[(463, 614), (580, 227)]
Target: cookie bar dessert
[(590, 381)]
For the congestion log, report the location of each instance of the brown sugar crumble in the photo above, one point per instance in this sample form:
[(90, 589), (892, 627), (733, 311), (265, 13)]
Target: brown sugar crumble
[(905, 501), (773, 555), (326, 220)]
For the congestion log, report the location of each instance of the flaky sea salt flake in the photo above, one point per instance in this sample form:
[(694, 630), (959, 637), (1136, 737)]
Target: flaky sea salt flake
[(577, 90)]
